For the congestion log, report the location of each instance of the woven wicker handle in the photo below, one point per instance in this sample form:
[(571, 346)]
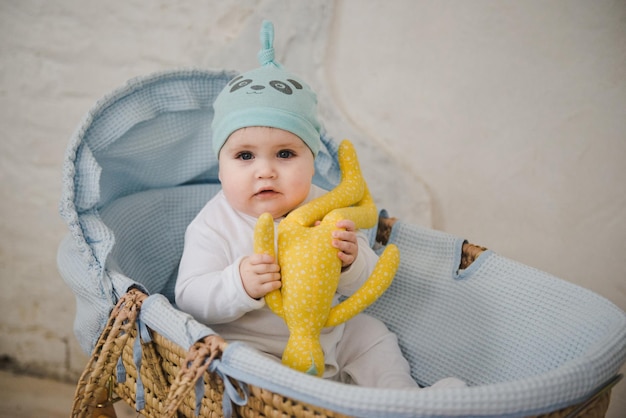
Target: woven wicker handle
[(198, 360), (93, 389)]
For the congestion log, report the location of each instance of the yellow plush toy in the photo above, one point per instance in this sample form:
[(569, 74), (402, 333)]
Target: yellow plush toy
[(310, 268)]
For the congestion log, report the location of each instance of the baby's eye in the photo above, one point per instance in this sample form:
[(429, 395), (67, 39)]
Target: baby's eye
[(244, 156), (285, 154)]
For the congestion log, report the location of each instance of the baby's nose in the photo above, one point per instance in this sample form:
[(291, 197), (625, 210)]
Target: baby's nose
[(266, 170)]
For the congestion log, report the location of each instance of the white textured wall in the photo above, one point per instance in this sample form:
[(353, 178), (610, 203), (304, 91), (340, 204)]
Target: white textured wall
[(502, 122)]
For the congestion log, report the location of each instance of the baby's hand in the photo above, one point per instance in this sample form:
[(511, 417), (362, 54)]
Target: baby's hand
[(346, 242), (259, 274)]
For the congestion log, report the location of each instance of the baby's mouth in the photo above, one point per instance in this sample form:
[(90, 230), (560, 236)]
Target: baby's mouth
[(266, 192)]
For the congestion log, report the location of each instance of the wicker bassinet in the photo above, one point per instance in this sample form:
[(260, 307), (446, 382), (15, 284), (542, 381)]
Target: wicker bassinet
[(136, 172)]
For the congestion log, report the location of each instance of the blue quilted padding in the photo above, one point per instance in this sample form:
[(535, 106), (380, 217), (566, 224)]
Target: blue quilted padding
[(139, 168)]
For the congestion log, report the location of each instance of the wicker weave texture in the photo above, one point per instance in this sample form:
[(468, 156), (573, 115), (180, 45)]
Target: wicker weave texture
[(161, 373)]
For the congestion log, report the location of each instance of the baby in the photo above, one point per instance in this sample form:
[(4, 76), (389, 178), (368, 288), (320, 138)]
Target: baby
[(266, 136)]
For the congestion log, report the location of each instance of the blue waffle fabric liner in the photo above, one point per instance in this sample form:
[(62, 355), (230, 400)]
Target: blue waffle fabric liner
[(140, 166)]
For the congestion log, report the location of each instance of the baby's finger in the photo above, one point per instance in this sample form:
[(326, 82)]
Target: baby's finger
[(266, 268), (347, 247), (346, 259), (341, 235), (346, 224), (256, 259), (271, 285)]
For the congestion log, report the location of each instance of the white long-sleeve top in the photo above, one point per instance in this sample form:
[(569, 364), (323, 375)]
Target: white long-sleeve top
[(209, 285)]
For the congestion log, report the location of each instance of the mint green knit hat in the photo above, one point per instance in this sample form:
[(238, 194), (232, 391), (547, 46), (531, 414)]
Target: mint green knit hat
[(267, 96)]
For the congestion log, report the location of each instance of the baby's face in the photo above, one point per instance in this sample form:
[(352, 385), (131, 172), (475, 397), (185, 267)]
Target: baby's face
[(265, 170)]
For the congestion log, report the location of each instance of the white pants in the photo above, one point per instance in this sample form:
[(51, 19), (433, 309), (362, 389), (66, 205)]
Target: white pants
[(368, 355)]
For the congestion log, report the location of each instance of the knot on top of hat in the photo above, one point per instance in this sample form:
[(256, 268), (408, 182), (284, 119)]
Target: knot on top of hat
[(266, 54)]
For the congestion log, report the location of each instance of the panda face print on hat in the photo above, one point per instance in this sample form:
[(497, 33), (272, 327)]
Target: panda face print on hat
[(280, 86)]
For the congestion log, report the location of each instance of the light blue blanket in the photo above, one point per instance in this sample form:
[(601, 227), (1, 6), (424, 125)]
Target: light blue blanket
[(140, 166)]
